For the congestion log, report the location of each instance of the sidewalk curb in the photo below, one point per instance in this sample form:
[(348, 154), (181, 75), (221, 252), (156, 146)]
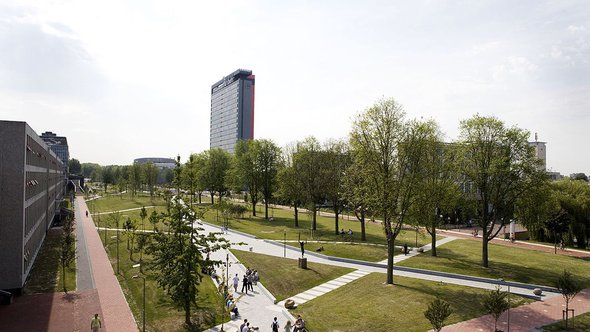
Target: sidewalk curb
[(229, 230)]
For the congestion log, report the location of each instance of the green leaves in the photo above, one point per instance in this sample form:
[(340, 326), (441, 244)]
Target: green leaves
[(438, 311)]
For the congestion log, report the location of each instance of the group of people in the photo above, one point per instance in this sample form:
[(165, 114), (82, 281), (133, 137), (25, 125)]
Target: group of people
[(348, 234), (298, 326), (250, 279), (230, 303)]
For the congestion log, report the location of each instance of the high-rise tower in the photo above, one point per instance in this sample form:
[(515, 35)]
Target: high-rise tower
[(232, 110)]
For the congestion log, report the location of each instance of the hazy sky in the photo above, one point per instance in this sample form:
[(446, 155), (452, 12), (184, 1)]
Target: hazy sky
[(129, 79)]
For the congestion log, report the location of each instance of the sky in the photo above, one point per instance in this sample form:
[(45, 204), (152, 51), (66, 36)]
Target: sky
[(129, 79)]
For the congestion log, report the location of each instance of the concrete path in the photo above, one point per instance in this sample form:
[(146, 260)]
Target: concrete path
[(326, 287), (415, 252), (84, 277)]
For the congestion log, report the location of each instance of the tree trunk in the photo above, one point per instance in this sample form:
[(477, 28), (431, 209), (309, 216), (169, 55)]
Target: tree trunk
[(253, 208), (390, 254), (363, 230), (266, 208), (296, 215), (212, 200), (315, 212), (484, 250), (199, 198), (187, 314), (63, 277), (433, 242), (336, 219)]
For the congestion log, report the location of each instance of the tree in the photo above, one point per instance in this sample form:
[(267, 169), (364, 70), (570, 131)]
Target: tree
[(437, 192), (216, 170), (337, 160), (438, 311), (74, 166), (569, 288), (499, 166), (150, 172), (356, 194), (310, 169), (268, 156), (107, 177), (495, 303), (579, 176), (290, 185), (178, 254), (153, 219), (91, 171), (245, 172), (388, 151), (135, 178), (573, 197), (557, 224), (535, 207), (67, 252)]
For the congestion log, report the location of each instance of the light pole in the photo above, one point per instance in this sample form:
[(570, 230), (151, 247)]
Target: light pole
[(285, 243), (508, 313), (143, 278), (227, 271), (117, 245)]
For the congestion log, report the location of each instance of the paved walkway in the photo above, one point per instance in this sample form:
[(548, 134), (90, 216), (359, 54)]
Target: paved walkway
[(116, 314)]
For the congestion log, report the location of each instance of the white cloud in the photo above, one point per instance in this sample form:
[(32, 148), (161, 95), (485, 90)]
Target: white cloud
[(575, 29), (514, 66)]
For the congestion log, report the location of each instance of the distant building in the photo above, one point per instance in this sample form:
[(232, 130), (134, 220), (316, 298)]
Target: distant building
[(59, 145), (540, 153), (31, 182), (232, 110), (161, 163)]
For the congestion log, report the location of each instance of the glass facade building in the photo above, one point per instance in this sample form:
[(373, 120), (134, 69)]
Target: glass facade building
[(232, 110)]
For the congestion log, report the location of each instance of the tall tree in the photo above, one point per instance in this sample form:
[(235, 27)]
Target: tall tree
[(310, 170), (498, 163), (150, 172), (217, 167), (437, 192), (337, 159), (290, 187), (356, 195), (245, 172), (135, 178), (178, 255), (268, 156), (388, 150), (74, 166), (573, 197)]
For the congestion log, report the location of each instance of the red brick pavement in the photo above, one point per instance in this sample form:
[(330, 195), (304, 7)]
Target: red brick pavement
[(116, 313), (51, 312), (526, 317)]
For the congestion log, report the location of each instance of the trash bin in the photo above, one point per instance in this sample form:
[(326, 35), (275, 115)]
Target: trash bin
[(5, 297)]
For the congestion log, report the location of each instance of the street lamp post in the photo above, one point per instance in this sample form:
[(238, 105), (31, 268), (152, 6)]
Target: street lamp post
[(227, 271), (143, 314), (508, 311), (285, 243), (117, 245)]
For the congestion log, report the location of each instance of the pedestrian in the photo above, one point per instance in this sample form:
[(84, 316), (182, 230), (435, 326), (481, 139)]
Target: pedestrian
[(342, 233), (246, 328), (243, 324), (256, 277), (95, 324), (236, 282), (250, 281), (245, 284), (86, 213), (288, 326), (275, 325), (299, 324), (405, 249)]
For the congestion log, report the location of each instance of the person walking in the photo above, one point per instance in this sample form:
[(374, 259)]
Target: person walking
[(288, 326), (246, 327), (243, 324), (250, 281), (95, 324), (245, 284), (275, 325), (236, 282)]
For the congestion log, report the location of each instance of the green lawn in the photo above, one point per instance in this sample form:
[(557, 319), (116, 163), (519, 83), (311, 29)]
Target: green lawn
[(116, 202), (46, 275), (284, 220), (283, 278), (363, 252), (581, 323), (161, 314), (101, 220), (367, 304), (509, 263)]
